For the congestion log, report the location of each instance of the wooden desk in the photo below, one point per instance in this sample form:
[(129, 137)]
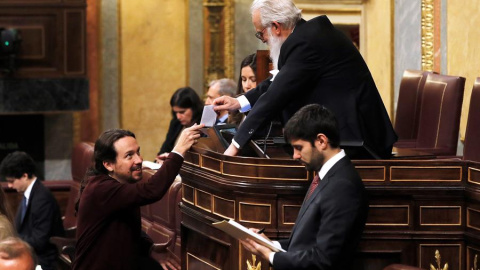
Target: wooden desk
[(416, 208), (410, 153)]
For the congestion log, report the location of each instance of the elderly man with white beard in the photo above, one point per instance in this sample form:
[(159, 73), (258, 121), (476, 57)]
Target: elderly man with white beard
[(316, 64)]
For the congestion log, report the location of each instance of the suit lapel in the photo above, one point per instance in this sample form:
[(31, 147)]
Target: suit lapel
[(307, 202)]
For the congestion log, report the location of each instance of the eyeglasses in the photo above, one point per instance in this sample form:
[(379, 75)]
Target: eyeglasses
[(259, 34)]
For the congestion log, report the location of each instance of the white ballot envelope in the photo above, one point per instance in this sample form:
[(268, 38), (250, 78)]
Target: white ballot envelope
[(240, 232), (209, 116)]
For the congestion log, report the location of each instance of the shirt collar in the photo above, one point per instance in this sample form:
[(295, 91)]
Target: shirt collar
[(329, 164), (28, 191), (223, 118)]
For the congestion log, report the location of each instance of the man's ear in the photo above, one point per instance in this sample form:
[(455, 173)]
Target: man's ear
[(277, 29), (321, 142), (108, 165)]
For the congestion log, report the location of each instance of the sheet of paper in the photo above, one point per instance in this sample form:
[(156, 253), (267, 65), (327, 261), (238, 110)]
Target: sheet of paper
[(241, 232), (151, 165), (209, 116)]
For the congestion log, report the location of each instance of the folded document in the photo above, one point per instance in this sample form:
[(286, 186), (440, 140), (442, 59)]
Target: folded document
[(240, 232)]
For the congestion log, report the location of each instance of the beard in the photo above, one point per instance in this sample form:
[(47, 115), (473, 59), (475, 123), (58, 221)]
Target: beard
[(316, 162), (275, 44)]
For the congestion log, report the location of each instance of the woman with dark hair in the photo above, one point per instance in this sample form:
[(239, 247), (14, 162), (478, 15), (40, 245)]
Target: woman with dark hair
[(247, 79), (187, 110)]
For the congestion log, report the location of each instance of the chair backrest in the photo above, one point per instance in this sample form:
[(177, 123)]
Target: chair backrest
[(176, 248), (440, 114), (82, 159), (164, 223), (409, 102), (471, 150)]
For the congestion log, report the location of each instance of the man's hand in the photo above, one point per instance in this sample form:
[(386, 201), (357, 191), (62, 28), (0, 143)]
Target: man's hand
[(231, 150), (187, 138), (168, 262), (226, 103), (256, 248), (161, 158)]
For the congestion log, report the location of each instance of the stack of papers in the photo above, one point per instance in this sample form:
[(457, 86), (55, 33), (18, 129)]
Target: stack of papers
[(240, 232)]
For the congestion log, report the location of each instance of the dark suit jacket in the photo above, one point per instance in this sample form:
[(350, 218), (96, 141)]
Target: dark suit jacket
[(329, 225), (42, 221), (318, 64), (174, 130)]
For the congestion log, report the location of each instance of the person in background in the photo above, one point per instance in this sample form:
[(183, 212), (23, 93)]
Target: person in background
[(109, 228), (187, 108), (218, 88), (247, 79), (332, 217), (16, 254), (38, 217)]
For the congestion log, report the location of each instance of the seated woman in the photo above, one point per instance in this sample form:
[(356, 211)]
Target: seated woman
[(187, 110), (248, 69), (246, 81)]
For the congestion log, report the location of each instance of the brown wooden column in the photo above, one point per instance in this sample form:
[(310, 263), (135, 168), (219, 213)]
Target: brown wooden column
[(86, 124)]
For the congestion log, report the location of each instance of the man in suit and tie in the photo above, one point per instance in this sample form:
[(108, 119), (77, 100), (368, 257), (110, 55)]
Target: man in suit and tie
[(314, 63), (38, 217), (218, 88), (331, 220)]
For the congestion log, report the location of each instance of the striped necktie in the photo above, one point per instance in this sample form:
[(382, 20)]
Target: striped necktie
[(313, 186)]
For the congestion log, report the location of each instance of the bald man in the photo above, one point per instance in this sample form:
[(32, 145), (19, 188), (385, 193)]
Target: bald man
[(16, 254)]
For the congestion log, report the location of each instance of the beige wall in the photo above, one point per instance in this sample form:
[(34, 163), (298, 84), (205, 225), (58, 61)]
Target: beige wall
[(463, 54), (379, 47), (153, 49)]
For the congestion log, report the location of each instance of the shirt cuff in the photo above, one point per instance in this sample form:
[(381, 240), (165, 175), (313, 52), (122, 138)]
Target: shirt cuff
[(235, 144), (173, 151), (270, 256), (244, 104)]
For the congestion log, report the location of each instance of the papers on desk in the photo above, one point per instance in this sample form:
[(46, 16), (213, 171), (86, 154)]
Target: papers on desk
[(151, 165), (240, 232), (209, 116)]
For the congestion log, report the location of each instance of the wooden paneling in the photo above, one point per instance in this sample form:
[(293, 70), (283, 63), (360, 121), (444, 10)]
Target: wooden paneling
[(473, 218), (416, 207), (255, 212), (440, 215), (388, 215), (372, 173), (450, 254), (188, 194), (203, 200), (74, 42), (224, 207), (426, 174), (53, 37)]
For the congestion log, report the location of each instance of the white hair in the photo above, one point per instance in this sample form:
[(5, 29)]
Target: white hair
[(282, 11)]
